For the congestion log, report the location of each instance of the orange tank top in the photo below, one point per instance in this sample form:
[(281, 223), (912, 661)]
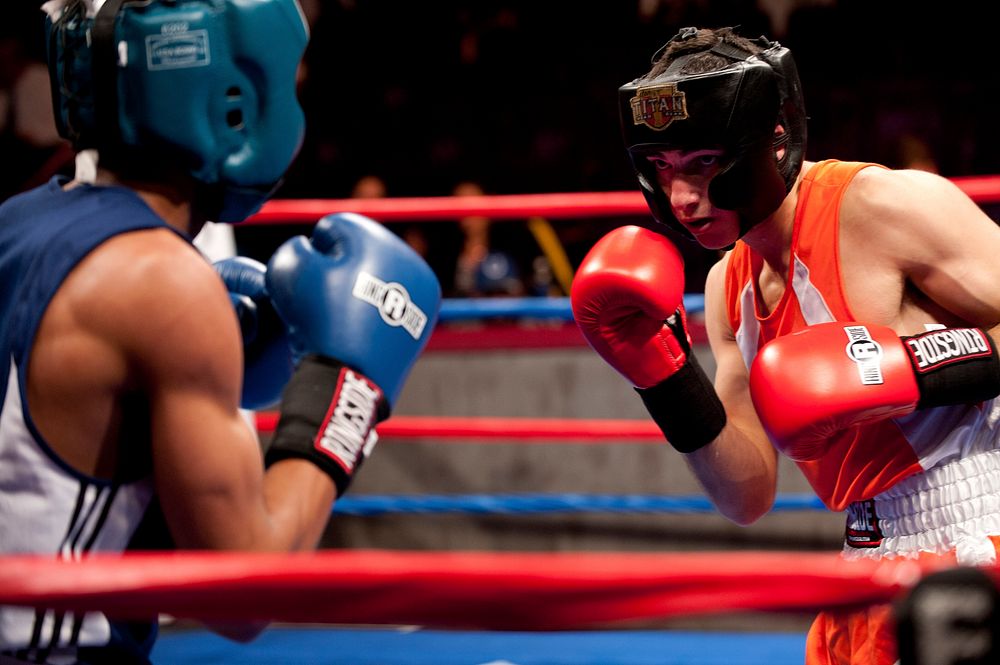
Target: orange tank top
[(863, 461)]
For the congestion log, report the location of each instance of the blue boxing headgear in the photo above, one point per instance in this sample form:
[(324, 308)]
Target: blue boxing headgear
[(207, 85), (735, 109)]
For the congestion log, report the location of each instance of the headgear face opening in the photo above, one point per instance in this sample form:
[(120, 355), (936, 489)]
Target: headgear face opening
[(207, 84), (736, 109)]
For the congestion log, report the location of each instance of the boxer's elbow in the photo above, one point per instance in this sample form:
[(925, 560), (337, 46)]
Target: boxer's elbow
[(742, 499), (742, 515), (745, 509)]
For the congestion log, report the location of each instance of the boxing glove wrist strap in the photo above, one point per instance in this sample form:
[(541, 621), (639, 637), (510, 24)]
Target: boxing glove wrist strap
[(686, 407), (954, 366), (328, 416)]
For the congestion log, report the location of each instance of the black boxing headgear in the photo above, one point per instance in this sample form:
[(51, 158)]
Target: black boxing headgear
[(735, 109)]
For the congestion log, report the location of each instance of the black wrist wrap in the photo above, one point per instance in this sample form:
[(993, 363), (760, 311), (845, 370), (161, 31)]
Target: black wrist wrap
[(686, 407), (954, 366), (328, 416)]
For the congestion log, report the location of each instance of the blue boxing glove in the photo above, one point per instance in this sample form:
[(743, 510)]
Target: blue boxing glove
[(360, 305), (267, 355)]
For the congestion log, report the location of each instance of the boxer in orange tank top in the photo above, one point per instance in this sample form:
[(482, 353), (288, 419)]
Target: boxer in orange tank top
[(853, 320)]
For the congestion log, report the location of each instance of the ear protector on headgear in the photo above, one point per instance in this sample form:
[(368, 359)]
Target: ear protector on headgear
[(209, 85), (735, 109)]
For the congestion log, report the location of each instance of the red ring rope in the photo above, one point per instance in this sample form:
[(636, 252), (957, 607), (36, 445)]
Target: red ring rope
[(550, 591), (981, 189), (511, 206), (537, 429)]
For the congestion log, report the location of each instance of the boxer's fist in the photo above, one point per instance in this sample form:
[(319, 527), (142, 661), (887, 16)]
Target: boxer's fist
[(357, 293), (813, 384), (627, 299), (627, 288), (360, 305), (267, 358)]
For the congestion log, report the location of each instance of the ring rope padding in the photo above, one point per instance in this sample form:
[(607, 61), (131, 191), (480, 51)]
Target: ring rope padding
[(983, 190), (454, 589)]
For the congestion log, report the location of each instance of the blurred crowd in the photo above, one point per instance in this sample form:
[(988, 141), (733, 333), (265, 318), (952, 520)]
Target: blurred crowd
[(500, 97)]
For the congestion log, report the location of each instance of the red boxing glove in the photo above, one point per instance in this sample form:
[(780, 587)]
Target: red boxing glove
[(627, 299), (629, 283), (824, 379)]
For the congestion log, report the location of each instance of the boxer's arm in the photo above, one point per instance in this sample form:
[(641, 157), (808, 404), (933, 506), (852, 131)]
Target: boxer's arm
[(184, 342), (739, 469), (930, 234)]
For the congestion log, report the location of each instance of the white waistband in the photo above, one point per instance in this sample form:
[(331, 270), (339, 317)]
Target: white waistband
[(954, 506)]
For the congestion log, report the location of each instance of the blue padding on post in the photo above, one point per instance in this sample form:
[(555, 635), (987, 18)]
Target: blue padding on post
[(464, 309), (331, 646)]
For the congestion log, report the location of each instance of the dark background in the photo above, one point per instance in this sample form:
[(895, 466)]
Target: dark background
[(519, 97)]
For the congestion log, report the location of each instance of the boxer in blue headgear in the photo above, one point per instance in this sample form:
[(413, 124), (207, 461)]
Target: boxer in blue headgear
[(736, 107), (122, 363), (184, 84)]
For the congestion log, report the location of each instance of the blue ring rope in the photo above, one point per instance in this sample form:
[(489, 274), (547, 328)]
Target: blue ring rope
[(460, 309), (533, 504)]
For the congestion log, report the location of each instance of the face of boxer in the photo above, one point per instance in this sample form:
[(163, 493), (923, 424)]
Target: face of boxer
[(684, 175)]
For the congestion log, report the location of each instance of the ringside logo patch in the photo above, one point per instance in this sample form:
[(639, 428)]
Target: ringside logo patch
[(393, 303), (347, 433), (866, 352), (935, 349), (862, 525)]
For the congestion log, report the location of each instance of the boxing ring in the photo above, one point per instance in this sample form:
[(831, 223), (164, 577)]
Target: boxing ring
[(469, 607)]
